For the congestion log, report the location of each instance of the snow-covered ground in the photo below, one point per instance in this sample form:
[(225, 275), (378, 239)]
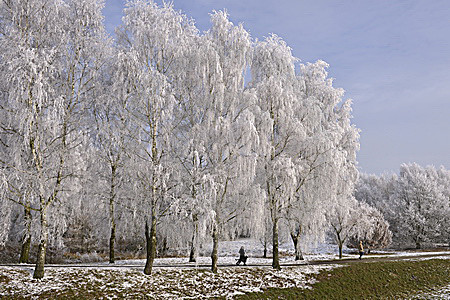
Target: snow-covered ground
[(162, 284), (188, 280), (177, 278)]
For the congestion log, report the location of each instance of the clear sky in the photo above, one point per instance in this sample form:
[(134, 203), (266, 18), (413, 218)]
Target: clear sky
[(391, 56)]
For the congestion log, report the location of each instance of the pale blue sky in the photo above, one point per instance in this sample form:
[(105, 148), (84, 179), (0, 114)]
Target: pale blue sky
[(391, 56)]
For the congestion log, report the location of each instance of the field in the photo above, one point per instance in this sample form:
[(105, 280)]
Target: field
[(399, 275), (425, 279)]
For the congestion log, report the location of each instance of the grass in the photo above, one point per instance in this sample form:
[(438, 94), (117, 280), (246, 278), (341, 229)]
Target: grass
[(374, 280)]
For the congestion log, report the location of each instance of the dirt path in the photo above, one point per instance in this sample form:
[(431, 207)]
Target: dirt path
[(366, 259)]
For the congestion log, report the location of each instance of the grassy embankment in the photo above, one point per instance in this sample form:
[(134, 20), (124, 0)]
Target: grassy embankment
[(373, 280)]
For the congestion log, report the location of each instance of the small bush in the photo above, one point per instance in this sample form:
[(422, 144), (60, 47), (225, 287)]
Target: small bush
[(91, 257)]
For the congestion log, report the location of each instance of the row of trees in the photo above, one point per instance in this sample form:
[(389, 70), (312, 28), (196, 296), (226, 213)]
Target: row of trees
[(185, 134), (415, 202)]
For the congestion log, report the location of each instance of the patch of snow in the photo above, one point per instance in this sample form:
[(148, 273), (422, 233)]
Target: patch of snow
[(441, 294)]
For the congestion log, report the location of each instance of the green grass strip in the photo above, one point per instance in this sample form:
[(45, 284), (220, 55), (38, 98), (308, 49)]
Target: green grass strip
[(372, 280)]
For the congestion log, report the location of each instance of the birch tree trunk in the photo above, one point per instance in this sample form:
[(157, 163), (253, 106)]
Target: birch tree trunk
[(193, 252), (276, 258), (295, 239), (340, 243), (214, 253), (150, 238), (112, 239), (112, 196), (265, 248), (26, 239), (40, 262)]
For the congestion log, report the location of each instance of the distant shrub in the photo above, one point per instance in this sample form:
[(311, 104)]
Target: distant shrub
[(91, 257)]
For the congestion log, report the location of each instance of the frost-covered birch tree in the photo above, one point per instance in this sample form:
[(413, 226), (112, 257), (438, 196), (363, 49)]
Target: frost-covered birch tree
[(226, 130), (154, 42), (325, 140), (419, 202), (20, 68), (51, 49), (328, 155), (343, 213), (371, 229), (273, 78), (358, 221), (343, 220), (216, 131)]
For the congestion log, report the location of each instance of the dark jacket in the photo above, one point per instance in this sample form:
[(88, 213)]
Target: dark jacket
[(242, 252)]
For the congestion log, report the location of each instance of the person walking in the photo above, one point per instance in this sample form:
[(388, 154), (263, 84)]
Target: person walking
[(242, 257), (360, 249)]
